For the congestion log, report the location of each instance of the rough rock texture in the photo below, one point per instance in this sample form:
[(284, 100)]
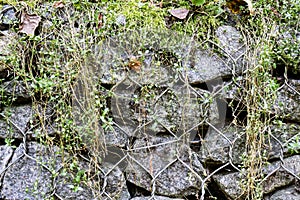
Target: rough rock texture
[(117, 55), (230, 185), (282, 176), (216, 149), (6, 153), (115, 183), (279, 176), (203, 65), (229, 143), (8, 17), (116, 137), (14, 121), (162, 168), (30, 176), (287, 104), (230, 40), (154, 109), (206, 66), (290, 193), (6, 38)]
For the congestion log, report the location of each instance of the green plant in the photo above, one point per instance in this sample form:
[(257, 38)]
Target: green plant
[(5, 100), (203, 23), (51, 63), (9, 142), (294, 145), (78, 175), (132, 15), (198, 2), (261, 94)]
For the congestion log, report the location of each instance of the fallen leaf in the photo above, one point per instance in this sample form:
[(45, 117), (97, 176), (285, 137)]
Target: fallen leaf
[(100, 20), (235, 6), (134, 64), (58, 4), (180, 13), (29, 23)]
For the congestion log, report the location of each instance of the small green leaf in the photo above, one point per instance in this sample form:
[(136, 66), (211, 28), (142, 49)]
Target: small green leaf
[(198, 2)]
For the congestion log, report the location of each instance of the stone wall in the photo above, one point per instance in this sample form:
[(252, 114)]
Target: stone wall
[(167, 157)]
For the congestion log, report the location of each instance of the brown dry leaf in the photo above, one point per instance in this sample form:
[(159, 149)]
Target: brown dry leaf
[(29, 23), (234, 6), (180, 13), (134, 64), (100, 20), (58, 4)]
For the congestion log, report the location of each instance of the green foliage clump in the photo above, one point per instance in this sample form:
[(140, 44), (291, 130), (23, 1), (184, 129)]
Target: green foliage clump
[(198, 2), (136, 15), (203, 21), (283, 24)]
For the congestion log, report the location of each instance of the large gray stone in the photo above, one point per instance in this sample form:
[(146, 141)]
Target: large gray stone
[(42, 175), (281, 176), (217, 145), (290, 193), (111, 184), (14, 121), (6, 152), (278, 176), (110, 59), (198, 64), (230, 40), (26, 178), (204, 65), (8, 17), (115, 183), (165, 168), (215, 149), (151, 108), (230, 185), (116, 137)]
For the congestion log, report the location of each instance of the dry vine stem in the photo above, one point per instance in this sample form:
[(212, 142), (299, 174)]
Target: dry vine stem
[(259, 99)]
